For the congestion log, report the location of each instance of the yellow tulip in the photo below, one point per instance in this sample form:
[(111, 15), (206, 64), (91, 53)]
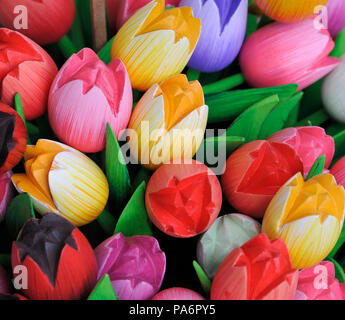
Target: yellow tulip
[(308, 217), (155, 43), (168, 122), (62, 180), (289, 11)]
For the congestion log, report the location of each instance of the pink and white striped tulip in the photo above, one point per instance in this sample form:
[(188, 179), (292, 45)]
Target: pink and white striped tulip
[(85, 96), (279, 54)]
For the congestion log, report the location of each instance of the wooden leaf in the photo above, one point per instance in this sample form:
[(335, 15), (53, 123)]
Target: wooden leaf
[(317, 167), (339, 139), (227, 105), (134, 219), (339, 48), (252, 24), (107, 222), (19, 211), (231, 143), (278, 117), (19, 108), (249, 123), (105, 53), (116, 169), (203, 278), (103, 290), (142, 175)]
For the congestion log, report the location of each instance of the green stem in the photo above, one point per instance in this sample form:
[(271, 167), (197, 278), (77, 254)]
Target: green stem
[(193, 75), (19, 108), (224, 84), (315, 119), (67, 47), (107, 222)]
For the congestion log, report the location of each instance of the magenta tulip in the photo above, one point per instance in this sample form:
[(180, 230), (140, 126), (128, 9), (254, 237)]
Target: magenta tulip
[(6, 192), (336, 16), (85, 96)]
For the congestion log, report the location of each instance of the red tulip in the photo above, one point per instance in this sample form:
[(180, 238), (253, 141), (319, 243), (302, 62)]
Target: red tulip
[(25, 68), (13, 138), (6, 192), (255, 172), (259, 270), (309, 143), (338, 171), (178, 294), (47, 20), (60, 262), (183, 200)]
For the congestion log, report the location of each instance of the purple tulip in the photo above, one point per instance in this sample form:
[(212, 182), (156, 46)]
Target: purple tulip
[(336, 16), (135, 265), (223, 30), (6, 192), (5, 283)]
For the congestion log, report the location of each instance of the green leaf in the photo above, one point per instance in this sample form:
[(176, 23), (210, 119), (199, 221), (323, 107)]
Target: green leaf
[(116, 169), (224, 84), (19, 108), (339, 272), (19, 211), (311, 101), (339, 139), (105, 53), (227, 105), (142, 175), (76, 32), (278, 117), (5, 260), (83, 7), (317, 167), (339, 48), (316, 119), (134, 219), (249, 123), (103, 290), (212, 144), (252, 24), (107, 222), (203, 278), (192, 74), (67, 47), (339, 243)]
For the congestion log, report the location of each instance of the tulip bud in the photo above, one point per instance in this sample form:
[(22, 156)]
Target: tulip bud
[(308, 217), (6, 193), (183, 200), (119, 11), (178, 294), (13, 138), (279, 54), (168, 123), (255, 172), (338, 171), (25, 68), (227, 233), (335, 16), (62, 180), (155, 44), (136, 265), (259, 270), (309, 142), (43, 21), (223, 27), (288, 11), (319, 283), (333, 92), (85, 96), (5, 283), (60, 262)]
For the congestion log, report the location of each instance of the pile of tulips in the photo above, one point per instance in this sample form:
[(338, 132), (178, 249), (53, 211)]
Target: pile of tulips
[(268, 228)]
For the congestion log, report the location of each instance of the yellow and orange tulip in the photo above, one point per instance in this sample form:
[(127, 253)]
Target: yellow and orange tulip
[(155, 43), (290, 11), (64, 181), (168, 122), (308, 217)]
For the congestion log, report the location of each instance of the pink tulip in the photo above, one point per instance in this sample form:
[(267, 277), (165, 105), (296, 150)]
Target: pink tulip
[(319, 283), (338, 171), (336, 16), (309, 143), (280, 54), (178, 294), (85, 95), (6, 192)]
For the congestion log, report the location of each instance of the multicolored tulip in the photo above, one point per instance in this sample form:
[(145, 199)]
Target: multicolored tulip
[(279, 54), (333, 92), (6, 192), (227, 233), (47, 21), (255, 172), (178, 294), (308, 217), (335, 16), (289, 11), (223, 27), (13, 138), (62, 180), (60, 262), (85, 96), (136, 265), (27, 69), (168, 123), (319, 283), (5, 283), (338, 171), (155, 44), (119, 11), (309, 143), (259, 270), (183, 200)]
